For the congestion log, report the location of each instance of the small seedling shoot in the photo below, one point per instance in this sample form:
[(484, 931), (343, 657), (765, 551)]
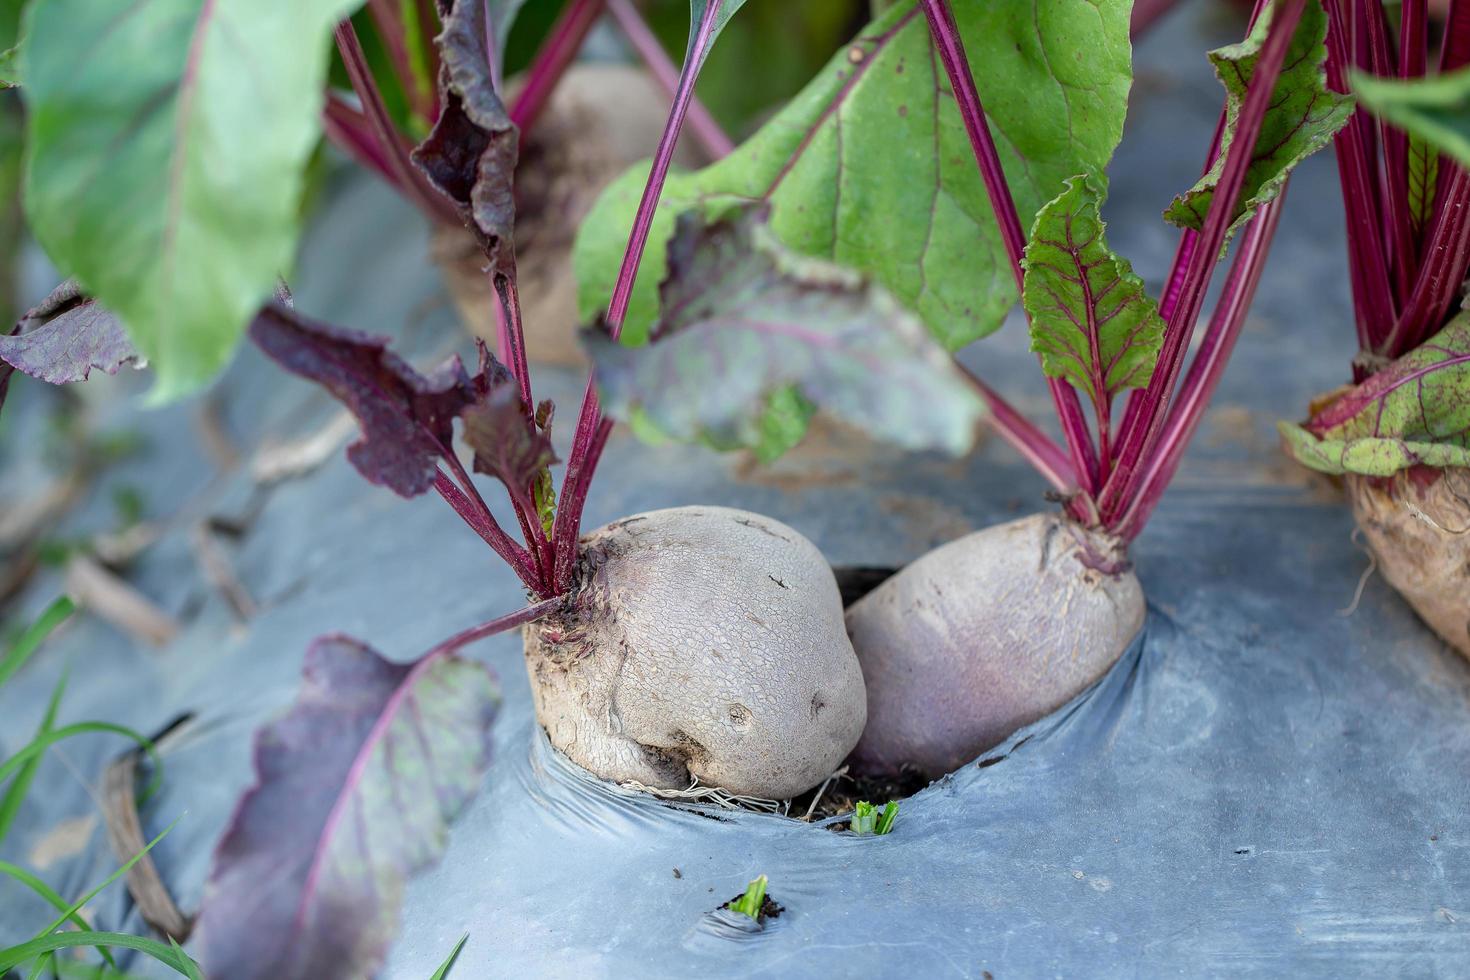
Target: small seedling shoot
[(752, 900), (1399, 435), (868, 820)]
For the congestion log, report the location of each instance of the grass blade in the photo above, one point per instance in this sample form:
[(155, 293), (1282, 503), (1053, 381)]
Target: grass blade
[(170, 957), (55, 614), (38, 886), (42, 742), (191, 969), (448, 964), (21, 785), (110, 879)]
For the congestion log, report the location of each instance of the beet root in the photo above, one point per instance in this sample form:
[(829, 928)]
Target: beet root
[(1420, 535), (701, 642), (986, 634)]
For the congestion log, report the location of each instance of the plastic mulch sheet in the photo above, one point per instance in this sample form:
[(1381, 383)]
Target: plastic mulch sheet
[(1273, 781)]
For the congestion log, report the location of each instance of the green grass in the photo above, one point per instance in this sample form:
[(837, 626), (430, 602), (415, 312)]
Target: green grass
[(20, 770), (448, 964)]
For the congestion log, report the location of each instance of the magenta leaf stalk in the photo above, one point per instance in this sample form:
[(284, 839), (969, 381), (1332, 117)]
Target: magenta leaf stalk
[(553, 58), (702, 125), (1207, 367), (1146, 13), (385, 14), (376, 113), (1445, 262), (946, 35), (1022, 435), (1123, 483), (500, 624), (593, 428), (349, 129), (1373, 298), (1395, 142), (1456, 50), (478, 517)]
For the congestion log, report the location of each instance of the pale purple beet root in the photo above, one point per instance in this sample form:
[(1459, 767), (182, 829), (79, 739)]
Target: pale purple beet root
[(1420, 535), (985, 635), (704, 642)]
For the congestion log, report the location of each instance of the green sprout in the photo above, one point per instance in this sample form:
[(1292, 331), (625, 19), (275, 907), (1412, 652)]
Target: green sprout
[(867, 819), (750, 903)]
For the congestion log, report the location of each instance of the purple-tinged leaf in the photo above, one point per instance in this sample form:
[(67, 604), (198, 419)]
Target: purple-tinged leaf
[(1303, 116), (744, 318), (1415, 412), (407, 419), (65, 337), (355, 789), (6, 371), (1091, 320), (471, 154), (507, 442)]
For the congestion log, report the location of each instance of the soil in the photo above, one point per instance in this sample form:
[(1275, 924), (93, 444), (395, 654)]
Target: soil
[(845, 791)]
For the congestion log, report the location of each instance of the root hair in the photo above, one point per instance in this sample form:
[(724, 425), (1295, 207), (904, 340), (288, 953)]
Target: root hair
[(695, 793), (1352, 607)]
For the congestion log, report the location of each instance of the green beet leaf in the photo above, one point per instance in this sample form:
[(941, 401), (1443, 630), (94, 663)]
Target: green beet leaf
[(1303, 116), (1415, 412), (1435, 109), (1055, 76), (1091, 320), (1422, 170), (167, 140), (745, 320), (695, 52)]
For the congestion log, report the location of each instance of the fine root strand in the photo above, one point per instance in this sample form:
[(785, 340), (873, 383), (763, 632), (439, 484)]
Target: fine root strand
[(1414, 509), (1352, 607), (695, 793), (807, 817)]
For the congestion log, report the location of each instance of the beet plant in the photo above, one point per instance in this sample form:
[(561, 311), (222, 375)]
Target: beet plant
[(1399, 435), (693, 645), (993, 630)]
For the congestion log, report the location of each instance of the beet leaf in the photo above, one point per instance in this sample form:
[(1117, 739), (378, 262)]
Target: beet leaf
[(1415, 412), (1436, 108), (1058, 73), (355, 788), (470, 155), (1303, 116), (166, 141), (745, 318), (509, 444), (1091, 320), (1421, 168), (407, 419), (65, 337)]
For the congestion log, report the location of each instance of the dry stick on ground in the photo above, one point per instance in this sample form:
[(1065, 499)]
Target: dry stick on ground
[(102, 592), (125, 836), (221, 573)]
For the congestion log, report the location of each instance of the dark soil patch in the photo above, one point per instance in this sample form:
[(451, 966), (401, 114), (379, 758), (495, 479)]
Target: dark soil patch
[(844, 793)]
